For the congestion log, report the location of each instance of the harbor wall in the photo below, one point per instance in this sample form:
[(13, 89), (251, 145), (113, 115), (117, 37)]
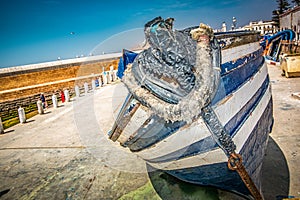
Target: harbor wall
[(23, 87)]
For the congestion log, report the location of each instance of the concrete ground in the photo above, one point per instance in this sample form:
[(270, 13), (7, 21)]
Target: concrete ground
[(58, 155), (281, 167), (65, 153)]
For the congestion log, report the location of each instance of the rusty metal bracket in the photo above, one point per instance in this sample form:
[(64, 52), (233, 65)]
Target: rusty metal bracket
[(226, 143), (235, 163)]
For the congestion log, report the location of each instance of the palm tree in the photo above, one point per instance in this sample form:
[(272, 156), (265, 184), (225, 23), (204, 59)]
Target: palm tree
[(283, 5), (296, 2), (275, 17)]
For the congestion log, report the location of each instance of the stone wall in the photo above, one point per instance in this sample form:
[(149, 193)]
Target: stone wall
[(21, 79), (23, 88)]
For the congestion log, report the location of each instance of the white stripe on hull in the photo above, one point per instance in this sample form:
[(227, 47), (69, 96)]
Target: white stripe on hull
[(187, 136), (225, 111), (215, 156), (239, 51), (218, 156), (182, 138), (242, 135)]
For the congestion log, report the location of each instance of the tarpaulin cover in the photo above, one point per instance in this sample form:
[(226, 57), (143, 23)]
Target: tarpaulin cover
[(128, 57)]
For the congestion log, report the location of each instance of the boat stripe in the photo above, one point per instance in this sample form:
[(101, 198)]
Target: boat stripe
[(233, 105), (212, 157), (155, 131), (231, 65), (240, 139), (217, 155), (238, 119), (233, 80), (252, 153), (195, 132), (239, 51), (208, 143)]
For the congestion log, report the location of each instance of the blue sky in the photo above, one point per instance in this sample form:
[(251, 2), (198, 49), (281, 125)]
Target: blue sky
[(33, 31)]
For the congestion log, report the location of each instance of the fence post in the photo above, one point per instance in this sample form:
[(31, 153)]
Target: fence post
[(105, 81), (111, 74), (100, 81), (86, 87), (94, 85), (115, 74), (22, 116), (67, 95), (54, 100), (40, 108), (77, 91), (1, 127)]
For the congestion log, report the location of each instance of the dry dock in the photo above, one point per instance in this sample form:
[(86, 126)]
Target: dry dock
[(65, 153)]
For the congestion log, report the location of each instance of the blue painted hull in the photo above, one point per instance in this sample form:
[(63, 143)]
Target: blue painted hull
[(253, 151), (272, 45), (243, 103), (219, 176)]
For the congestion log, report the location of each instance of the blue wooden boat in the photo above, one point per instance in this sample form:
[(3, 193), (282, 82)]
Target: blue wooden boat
[(199, 106), (273, 45)]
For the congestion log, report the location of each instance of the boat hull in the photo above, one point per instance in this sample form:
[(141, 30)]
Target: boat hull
[(243, 105), (218, 175)]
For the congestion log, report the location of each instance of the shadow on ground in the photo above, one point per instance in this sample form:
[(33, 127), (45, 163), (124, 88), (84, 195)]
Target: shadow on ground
[(275, 173), (4, 192), (29, 121), (275, 181), (47, 112), (5, 132)]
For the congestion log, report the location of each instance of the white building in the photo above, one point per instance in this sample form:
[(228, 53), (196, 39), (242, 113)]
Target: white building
[(264, 27)]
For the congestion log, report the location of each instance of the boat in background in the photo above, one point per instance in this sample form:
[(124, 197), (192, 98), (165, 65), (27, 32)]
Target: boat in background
[(197, 111), (274, 46)]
